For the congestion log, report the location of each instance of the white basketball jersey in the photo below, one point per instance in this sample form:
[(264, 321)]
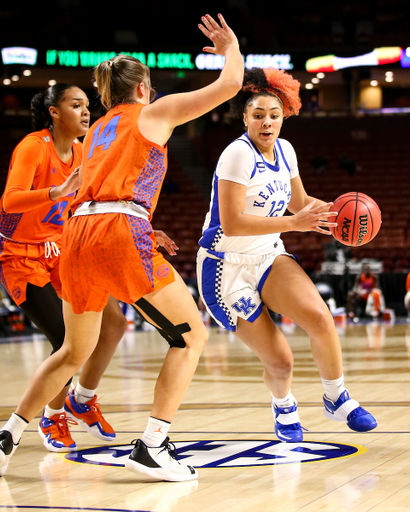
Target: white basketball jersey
[(268, 193)]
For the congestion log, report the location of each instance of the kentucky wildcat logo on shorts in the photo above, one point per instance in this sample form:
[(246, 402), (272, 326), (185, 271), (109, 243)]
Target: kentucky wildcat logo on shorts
[(245, 306)]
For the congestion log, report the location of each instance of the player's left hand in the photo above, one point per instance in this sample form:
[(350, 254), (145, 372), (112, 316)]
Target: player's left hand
[(164, 241)]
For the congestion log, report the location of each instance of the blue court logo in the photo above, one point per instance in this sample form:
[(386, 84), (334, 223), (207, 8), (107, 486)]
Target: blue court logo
[(227, 454)]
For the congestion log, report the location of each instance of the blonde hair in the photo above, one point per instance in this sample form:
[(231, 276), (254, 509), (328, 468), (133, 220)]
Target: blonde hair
[(117, 78)]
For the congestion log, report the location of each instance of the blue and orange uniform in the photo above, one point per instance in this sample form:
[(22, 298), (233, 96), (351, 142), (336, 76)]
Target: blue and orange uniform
[(366, 284), (116, 252), (31, 224)]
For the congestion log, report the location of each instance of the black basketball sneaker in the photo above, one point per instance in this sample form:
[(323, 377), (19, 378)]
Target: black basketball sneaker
[(159, 463)]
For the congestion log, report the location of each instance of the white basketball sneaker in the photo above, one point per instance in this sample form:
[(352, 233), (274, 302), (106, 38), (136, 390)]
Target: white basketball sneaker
[(159, 463), (7, 448)]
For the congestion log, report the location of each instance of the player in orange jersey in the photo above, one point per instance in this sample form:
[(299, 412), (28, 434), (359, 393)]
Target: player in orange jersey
[(407, 296), (366, 290), (109, 247), (42, 180)]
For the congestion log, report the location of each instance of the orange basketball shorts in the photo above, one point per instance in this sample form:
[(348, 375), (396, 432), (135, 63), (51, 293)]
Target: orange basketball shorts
[(110, 254), (21, 264)]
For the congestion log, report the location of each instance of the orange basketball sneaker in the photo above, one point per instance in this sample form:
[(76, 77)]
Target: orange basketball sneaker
[(55, 433), (89, 417)]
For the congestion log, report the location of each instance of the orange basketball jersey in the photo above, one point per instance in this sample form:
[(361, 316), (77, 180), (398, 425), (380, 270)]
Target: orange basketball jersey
[(27, 214), (368, 283), (120, 163)]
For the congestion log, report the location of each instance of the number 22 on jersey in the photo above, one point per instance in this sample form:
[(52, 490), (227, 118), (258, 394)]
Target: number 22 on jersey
[(106, 137)]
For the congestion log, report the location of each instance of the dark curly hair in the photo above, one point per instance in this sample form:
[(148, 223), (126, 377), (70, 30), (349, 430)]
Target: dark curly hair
[(41, 102), (268, 81)]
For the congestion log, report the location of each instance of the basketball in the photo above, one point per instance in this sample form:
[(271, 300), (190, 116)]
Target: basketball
[(358, 220)]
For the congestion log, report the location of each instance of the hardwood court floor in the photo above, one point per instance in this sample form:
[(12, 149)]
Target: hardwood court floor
[(227, 401)]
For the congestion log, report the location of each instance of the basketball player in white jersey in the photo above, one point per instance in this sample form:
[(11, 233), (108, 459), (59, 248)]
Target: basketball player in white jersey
[(243, 268)]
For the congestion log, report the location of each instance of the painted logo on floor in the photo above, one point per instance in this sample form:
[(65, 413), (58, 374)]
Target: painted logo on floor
[(227, 454)]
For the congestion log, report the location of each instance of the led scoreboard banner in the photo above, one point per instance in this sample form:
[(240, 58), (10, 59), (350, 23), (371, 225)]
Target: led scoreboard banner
[(208, 62), (182, 61), (378, 57)]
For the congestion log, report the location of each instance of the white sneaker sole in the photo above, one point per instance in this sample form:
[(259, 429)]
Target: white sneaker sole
[(159, 474), (5, 459), (93, 431), (52, 448)]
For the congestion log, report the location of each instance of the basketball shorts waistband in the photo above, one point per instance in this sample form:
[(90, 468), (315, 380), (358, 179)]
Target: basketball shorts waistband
[(99, 207), (243, 259)]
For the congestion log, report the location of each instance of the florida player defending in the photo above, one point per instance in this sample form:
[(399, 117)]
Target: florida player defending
[(108, 245), (42, 180), (243, 268)]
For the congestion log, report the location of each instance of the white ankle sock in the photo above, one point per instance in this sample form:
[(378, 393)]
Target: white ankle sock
[(156, 432), (288, 401), (83, 395), (16, 426), (48, 411), (333, 388)]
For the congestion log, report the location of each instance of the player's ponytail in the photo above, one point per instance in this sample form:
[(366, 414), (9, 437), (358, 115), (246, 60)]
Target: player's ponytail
[(41, 103), (117, 78)]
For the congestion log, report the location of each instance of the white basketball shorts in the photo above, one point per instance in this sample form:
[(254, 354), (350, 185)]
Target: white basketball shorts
[(231, 287)]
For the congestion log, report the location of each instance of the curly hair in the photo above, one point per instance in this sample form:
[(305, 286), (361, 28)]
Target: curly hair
[(268, 81)]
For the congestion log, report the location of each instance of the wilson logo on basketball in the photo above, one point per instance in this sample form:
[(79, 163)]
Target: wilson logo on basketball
[(346, 229), (363, 223), (358, 220)]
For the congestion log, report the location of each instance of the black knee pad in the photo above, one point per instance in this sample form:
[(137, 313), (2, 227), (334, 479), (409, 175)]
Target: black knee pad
[(172, 333)]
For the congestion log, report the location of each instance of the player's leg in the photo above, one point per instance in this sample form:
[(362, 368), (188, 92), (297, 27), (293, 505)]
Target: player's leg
[(180, 321), (82, 332), (289, 291), (268, 342), (82, 403), (43, 307)]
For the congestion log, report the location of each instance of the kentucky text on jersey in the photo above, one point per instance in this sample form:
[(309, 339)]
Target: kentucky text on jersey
[(268, 193)]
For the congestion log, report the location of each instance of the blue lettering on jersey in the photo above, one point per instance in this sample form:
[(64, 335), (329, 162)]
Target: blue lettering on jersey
[(106, 138), (244, 306), (269, 190), (55, 215), (276, 210)]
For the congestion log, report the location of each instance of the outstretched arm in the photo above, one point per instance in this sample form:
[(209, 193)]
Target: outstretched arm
[(157, 120)]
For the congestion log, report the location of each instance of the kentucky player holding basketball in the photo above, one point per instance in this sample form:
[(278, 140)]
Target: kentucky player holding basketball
[(243, 268)]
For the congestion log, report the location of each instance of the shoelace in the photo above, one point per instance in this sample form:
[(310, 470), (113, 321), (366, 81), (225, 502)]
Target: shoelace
[(359, 411), (62, 426), (172, 451), (95, 407), (169, 446)]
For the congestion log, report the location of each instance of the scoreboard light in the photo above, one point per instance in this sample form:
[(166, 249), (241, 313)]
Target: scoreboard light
[(377, 57), (19, 55)]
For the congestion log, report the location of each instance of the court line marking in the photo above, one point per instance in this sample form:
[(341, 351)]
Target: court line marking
[(247, 433), (40, 507)]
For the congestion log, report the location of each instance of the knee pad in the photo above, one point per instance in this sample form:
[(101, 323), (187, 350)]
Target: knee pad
[(172, 333)]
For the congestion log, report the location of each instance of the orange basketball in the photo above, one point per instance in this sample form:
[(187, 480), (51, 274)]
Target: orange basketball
[(358, 220)]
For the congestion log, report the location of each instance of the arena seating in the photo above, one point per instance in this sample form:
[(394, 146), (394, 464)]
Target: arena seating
[(377, 144)]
